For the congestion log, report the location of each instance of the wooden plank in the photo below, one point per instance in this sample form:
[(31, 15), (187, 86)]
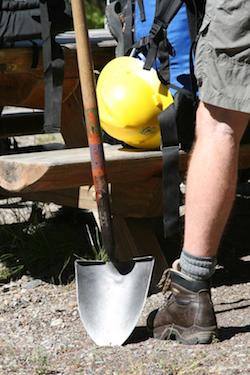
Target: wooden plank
[(19, 59), (136, 238), (62, 169), (244, 157), (142, 232), (28, 83), (73, 127), (144, 199)]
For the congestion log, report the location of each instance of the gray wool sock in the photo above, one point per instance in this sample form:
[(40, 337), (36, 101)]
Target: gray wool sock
[(198, 268)]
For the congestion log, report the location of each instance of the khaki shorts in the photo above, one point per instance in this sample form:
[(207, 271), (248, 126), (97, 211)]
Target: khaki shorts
[(222, 63)]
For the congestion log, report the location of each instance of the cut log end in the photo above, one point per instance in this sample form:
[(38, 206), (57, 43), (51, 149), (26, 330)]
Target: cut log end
[(16, 177)]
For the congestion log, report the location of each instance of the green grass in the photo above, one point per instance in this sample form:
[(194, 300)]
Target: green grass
[(46, 248)]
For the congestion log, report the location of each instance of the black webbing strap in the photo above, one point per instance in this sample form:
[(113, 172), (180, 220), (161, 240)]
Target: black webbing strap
[(195, 14), (112, 12), (128, 25), (165, 12), (35, 55), (170, 172), (142, 10), (53, 65)]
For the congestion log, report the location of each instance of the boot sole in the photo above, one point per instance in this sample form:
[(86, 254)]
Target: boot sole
[(172, 333)]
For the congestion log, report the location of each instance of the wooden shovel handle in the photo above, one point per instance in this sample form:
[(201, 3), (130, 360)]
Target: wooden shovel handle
[(87, 80)]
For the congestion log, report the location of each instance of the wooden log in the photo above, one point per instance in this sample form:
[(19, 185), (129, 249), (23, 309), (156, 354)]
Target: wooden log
[(143, 199), (19, 60), (142, 232), (73, 127), (21, 85), (63, 169)]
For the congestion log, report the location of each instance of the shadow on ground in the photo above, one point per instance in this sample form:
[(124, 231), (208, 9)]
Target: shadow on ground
[(226, 333), (47, 248), (234, 253)]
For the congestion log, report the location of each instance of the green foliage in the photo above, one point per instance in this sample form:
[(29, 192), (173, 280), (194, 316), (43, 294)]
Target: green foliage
[(95, 15)]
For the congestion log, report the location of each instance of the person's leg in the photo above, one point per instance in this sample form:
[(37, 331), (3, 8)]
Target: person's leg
[(211, 178), (222, 69), (211, 184), (188, 314)]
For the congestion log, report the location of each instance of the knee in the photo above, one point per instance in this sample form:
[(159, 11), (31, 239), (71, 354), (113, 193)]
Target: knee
[(216, 124)]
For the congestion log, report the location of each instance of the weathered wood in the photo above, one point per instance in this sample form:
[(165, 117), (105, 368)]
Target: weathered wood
[(62, 169), (136, 238), (139, 200), (23, 86), (244, 157), (59, 169), (19, 60), (142, 232), (73, 127)]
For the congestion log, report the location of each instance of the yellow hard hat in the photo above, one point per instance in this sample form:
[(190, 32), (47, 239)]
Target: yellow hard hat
[(130, 99)]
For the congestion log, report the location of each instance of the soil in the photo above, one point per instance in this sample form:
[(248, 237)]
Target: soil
[(41, 332)]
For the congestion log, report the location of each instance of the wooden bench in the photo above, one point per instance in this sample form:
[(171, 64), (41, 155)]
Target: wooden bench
[(23, 86), (64, 177)]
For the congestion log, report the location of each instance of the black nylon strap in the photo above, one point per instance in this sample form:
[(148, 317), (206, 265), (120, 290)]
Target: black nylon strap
[(112, 12), (53, 64), (142, 10), (128, 25), (171, 176), (35, 55), (165, 12)]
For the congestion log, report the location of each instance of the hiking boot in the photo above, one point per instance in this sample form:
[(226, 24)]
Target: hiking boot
[(188, 315)]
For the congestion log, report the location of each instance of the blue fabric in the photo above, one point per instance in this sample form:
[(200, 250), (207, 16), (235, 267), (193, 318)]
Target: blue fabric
[(179, 37), (142, 28)]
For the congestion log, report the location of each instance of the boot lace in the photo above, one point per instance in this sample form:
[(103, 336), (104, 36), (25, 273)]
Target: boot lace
[(165, 281)]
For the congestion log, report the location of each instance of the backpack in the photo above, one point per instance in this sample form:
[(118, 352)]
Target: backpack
[(36, 22), (163, 34)]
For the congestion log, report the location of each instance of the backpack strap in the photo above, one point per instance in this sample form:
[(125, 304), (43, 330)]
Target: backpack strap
[(170, 171), (177, 124), (53, 65), (113, 17), (157, 40), (119, 15), (142, 10)]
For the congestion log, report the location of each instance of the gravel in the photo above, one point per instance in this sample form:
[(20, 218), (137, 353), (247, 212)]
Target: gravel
[(41, 333)]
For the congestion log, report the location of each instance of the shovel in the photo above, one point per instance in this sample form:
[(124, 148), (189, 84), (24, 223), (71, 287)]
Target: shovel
[(111, 295)]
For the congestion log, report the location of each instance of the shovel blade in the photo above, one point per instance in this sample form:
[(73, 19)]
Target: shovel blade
[(110, 298)]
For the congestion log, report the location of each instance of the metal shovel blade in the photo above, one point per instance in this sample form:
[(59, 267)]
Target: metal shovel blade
[(111, 297)]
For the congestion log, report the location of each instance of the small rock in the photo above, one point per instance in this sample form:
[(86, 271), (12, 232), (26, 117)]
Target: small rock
[(33, 284), (56, 322)]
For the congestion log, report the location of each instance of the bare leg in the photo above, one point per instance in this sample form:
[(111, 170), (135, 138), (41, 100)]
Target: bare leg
[(211, 179)]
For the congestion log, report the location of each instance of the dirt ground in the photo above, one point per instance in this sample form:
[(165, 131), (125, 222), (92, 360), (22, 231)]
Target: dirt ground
[(41, 332)]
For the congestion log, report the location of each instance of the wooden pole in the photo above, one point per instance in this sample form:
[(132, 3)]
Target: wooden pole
[(87, 80)]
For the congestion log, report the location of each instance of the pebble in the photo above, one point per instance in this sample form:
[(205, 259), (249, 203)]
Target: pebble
[(33, 284), (56, 323)]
